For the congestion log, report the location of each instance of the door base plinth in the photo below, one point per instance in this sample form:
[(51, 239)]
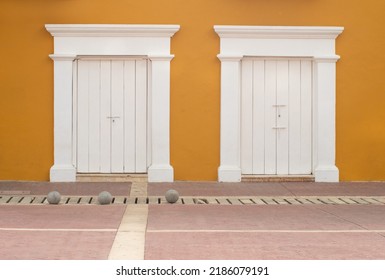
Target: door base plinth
[(229, 174), (62, 173), (111, 177), (278, 178), (160, 173), (329, 174)]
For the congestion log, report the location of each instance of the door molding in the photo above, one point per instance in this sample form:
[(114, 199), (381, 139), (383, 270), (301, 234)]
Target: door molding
[(76, 40), (316, 43)]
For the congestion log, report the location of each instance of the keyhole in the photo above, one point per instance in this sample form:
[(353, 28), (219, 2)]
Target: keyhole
[(113, 120), (279, 116)]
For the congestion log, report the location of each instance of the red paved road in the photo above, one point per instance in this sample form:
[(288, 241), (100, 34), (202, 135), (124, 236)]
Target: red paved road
[(31, 232), (78, 188), (199, 231), (289, 232), (269, 189)]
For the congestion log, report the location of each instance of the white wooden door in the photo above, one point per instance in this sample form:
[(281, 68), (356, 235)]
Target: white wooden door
[(112, 116), (276, 117)]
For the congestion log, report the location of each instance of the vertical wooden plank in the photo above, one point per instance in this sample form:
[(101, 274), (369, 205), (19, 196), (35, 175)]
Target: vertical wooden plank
[(82, 147), (282, 117), (259, 117), (306, 117), (75, 113), (247, 117), (270, 116), (294, 116), (105, 113), (149, 117), (117, 112), (129, 116), (94, 116), (141, 116)]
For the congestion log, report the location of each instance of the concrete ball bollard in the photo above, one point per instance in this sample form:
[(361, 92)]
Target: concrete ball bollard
[(172, 196), (104, 198), (53, 197)]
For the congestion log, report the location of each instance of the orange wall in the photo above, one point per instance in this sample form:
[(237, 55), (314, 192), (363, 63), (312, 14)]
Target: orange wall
[(26, 76)]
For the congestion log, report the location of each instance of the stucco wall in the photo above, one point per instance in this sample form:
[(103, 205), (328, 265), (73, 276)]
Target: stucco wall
[(26, 76)]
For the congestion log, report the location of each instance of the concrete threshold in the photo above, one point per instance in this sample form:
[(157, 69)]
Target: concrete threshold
[(278, 178), (118, 177)]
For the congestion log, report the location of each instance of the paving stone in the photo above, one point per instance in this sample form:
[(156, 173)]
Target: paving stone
[(163, 200), (179, 201), (281, 201), (5, 198), (269, 200), (372, 200), (94, 200), (200, 201), (381, 199), (73, 200), (141, 200), (26, 200), (304, 200), (15, 200), (153, 200), (293, 201), (118, 200), (131, 200), (234, 201), (324, 200), (348, 200), (258, 201), (188, 200), (246, 201), (336, 200), (243, 200), (360, 200), (85, 200), (39, 200), (212, 200), (223, 201), (313, 200)]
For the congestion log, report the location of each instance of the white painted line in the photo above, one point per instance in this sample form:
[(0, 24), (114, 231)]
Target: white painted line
[(130, 239), (264, 231), (138, 189), (61, 229)]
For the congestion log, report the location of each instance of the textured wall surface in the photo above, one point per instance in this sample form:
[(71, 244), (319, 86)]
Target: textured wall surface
[(26, 76)]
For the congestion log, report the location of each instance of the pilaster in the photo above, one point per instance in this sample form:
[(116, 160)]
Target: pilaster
[(63, 169)]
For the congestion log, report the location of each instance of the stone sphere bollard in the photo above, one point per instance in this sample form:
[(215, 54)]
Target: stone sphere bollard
[(172, 196), (104, 198), (53, 197)]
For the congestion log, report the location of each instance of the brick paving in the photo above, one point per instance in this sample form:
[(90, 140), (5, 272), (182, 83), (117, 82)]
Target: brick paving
[(206, 231)]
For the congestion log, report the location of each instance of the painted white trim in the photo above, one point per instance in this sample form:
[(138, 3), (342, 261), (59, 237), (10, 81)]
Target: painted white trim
[(75, 40), (316, 43), (111, 30), (277, 32)]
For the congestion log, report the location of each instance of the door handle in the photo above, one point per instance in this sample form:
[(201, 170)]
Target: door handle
[(113, 118)]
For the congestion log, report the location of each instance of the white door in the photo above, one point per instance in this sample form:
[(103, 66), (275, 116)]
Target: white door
[(112, 116), (276, 117)]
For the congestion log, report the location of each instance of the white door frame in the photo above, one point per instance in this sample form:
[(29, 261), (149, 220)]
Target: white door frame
[(74, 40), (316, 43)]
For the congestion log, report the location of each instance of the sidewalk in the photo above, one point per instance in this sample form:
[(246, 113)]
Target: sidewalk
[(197, 231)]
